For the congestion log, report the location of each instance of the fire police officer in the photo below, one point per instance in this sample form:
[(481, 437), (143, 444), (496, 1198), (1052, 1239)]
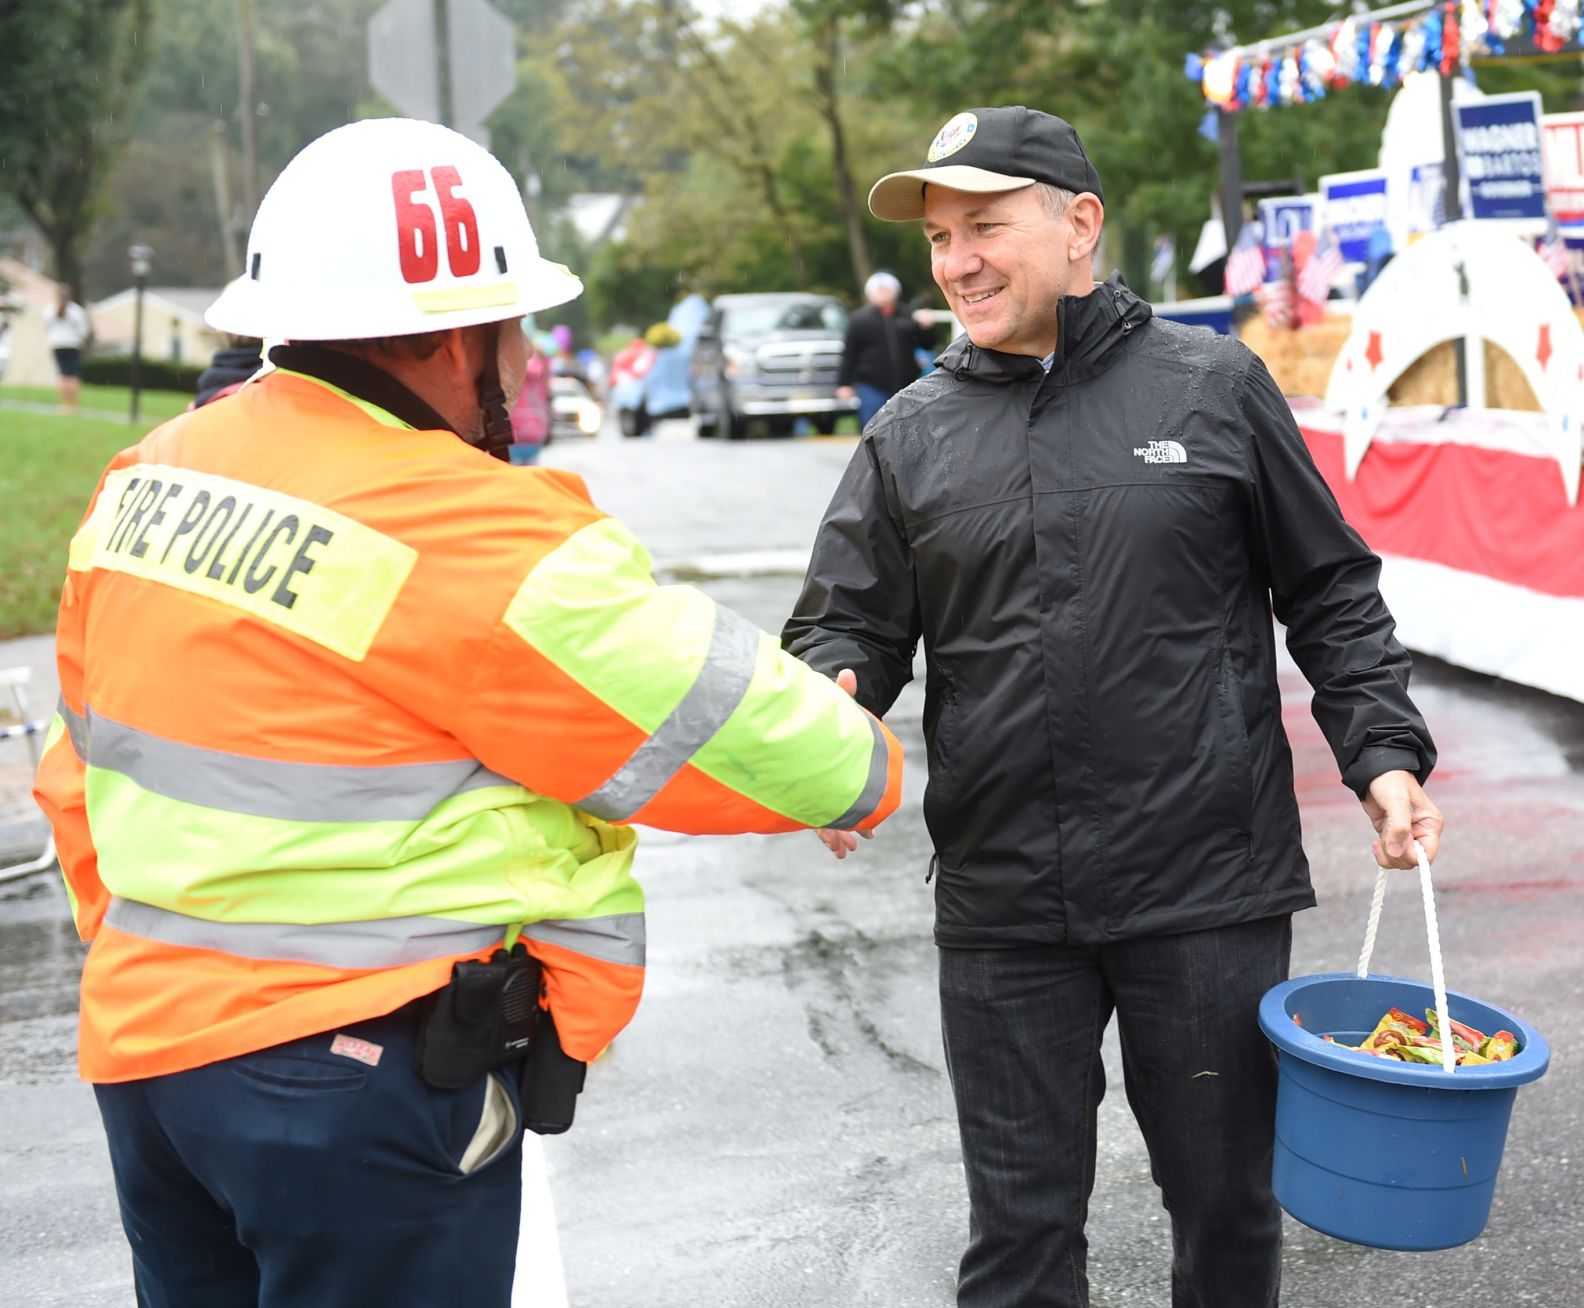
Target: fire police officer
[(349, 705)]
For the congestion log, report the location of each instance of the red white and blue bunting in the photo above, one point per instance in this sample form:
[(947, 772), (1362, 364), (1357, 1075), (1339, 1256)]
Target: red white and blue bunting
[(1363, 51)]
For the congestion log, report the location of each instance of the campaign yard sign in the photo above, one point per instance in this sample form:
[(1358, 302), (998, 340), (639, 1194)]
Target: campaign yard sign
[(1562, 141), (1282, 218), (1355, 205), (1426, 197), (1499, 144)]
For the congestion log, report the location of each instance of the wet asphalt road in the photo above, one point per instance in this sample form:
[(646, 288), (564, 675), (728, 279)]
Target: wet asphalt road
[(776, 1129)]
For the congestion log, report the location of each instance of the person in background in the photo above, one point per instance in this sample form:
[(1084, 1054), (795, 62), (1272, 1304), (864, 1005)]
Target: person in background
[(558, 346), (877, 355), (5, 333), (594, 371), (67, 331), (530, 416), (229, 369), (631, 362)]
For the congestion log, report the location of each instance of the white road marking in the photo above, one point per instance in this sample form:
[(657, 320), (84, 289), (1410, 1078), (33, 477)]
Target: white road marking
[(540, 1281), (743, 563)]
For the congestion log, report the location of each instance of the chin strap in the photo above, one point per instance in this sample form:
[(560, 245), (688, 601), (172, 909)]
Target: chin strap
[(496, 437)]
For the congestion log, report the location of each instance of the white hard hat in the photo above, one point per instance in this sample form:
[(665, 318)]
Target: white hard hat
[(389, 227)]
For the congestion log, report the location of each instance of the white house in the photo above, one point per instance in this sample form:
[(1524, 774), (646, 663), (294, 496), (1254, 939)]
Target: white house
[(173, 327)]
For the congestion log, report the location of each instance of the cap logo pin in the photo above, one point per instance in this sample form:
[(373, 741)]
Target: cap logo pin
[(952, 137)]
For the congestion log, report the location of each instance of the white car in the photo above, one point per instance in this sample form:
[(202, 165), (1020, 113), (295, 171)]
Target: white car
[(573, 411)]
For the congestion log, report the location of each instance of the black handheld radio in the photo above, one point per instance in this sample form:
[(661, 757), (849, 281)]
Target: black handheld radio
[(489, 1016)]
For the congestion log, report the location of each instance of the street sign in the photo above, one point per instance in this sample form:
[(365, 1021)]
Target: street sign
[(1355, 205), (483, 64), (481, 61), (1499, 142), (402, 65)]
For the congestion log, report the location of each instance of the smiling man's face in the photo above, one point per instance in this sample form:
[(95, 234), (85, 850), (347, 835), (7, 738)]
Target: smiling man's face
[(1003, 262)]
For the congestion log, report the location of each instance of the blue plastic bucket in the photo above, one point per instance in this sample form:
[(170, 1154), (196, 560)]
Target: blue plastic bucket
[(1381, 1153)]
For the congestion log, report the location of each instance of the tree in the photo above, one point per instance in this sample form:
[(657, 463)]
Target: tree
[(746, 146), (1115, 71), (71, 66), (181, 185)]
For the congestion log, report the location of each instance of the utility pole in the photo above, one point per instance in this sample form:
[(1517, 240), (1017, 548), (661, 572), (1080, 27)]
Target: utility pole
[(1231, 176), (1452, 207), (442, 31), (220, 174), (249, 107)]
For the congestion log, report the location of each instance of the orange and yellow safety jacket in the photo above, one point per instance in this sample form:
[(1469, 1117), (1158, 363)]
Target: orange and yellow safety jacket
[(345, 701)]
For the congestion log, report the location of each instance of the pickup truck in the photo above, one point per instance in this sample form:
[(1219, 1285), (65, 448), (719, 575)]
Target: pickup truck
[(768, 357)]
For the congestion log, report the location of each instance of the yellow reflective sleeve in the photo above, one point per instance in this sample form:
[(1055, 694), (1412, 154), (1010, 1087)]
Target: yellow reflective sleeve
[(799, 745), (592, 608)]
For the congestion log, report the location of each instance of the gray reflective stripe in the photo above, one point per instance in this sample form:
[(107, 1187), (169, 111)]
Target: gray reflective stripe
[(713, 697), (388, 942), (618, 938), (874, 788), (269, 788), (76, 728)]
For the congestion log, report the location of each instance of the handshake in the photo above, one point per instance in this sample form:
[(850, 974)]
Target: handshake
[(843, 843)]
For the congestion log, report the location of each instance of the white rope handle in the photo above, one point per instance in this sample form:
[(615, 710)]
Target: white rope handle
[(1374, 923), (1432, 935), (1437, 977)]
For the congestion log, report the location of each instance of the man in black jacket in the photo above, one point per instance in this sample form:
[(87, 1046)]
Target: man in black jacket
[(1088, 515), (877, 354)]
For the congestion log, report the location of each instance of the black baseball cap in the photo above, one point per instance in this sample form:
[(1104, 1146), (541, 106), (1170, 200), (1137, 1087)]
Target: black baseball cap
[(990, 150)]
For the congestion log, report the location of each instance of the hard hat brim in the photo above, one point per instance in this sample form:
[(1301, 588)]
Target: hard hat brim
[(283, 312)]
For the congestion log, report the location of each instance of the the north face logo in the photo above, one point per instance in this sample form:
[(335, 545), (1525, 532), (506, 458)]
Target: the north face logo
[(1161, 452)]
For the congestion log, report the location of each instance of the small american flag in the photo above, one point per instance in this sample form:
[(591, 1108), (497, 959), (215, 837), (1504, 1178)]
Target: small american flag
[(1314, 282), (1553, 250), (1245, 266), (1276, 303)]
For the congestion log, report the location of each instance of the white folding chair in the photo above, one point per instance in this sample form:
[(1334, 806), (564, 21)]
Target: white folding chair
[(18, 809)]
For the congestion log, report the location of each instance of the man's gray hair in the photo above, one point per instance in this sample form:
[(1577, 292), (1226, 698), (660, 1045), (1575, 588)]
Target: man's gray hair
[(1053, 198)]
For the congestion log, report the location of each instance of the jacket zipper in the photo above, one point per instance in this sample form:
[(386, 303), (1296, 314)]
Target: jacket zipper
[(934, 863)]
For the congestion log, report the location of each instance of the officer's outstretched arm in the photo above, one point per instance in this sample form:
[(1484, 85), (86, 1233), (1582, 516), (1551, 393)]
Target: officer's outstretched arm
[(653, 704)]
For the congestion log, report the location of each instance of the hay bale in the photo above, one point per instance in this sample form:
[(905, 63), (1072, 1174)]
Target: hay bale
[(1300, 360), (1432, 379), (1301, 363)]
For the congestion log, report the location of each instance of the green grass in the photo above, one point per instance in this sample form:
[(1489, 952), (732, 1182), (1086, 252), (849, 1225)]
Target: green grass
[(49, 466), (111, 399)]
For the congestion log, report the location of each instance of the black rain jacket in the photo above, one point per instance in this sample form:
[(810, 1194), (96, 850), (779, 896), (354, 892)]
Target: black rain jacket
[(1091, 558), (878, 349)]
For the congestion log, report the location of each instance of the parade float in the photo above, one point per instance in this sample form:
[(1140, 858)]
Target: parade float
[(1443, 405)]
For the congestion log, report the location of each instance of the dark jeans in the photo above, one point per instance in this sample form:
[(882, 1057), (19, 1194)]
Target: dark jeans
[(300, 1178), (871, 399), (1022, 1031)]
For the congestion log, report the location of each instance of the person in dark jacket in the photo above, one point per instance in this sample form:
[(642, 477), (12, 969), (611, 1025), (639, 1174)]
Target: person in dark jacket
[(228, 369), (1087, 515), (877, 354)]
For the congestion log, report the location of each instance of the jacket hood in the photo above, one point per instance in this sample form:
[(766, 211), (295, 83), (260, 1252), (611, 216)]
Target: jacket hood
[(1089, 330)]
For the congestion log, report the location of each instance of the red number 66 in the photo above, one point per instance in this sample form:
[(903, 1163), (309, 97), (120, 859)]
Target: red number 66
[(416, 238)]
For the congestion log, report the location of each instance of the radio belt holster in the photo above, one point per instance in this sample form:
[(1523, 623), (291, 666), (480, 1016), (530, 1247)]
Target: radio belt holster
[(489, 1015)]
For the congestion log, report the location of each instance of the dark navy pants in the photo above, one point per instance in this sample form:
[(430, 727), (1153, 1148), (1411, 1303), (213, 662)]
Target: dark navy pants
[(1023, 1030), (296, 1177)]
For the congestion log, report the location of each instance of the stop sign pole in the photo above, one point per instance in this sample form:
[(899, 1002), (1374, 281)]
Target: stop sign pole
[(447, 61)]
